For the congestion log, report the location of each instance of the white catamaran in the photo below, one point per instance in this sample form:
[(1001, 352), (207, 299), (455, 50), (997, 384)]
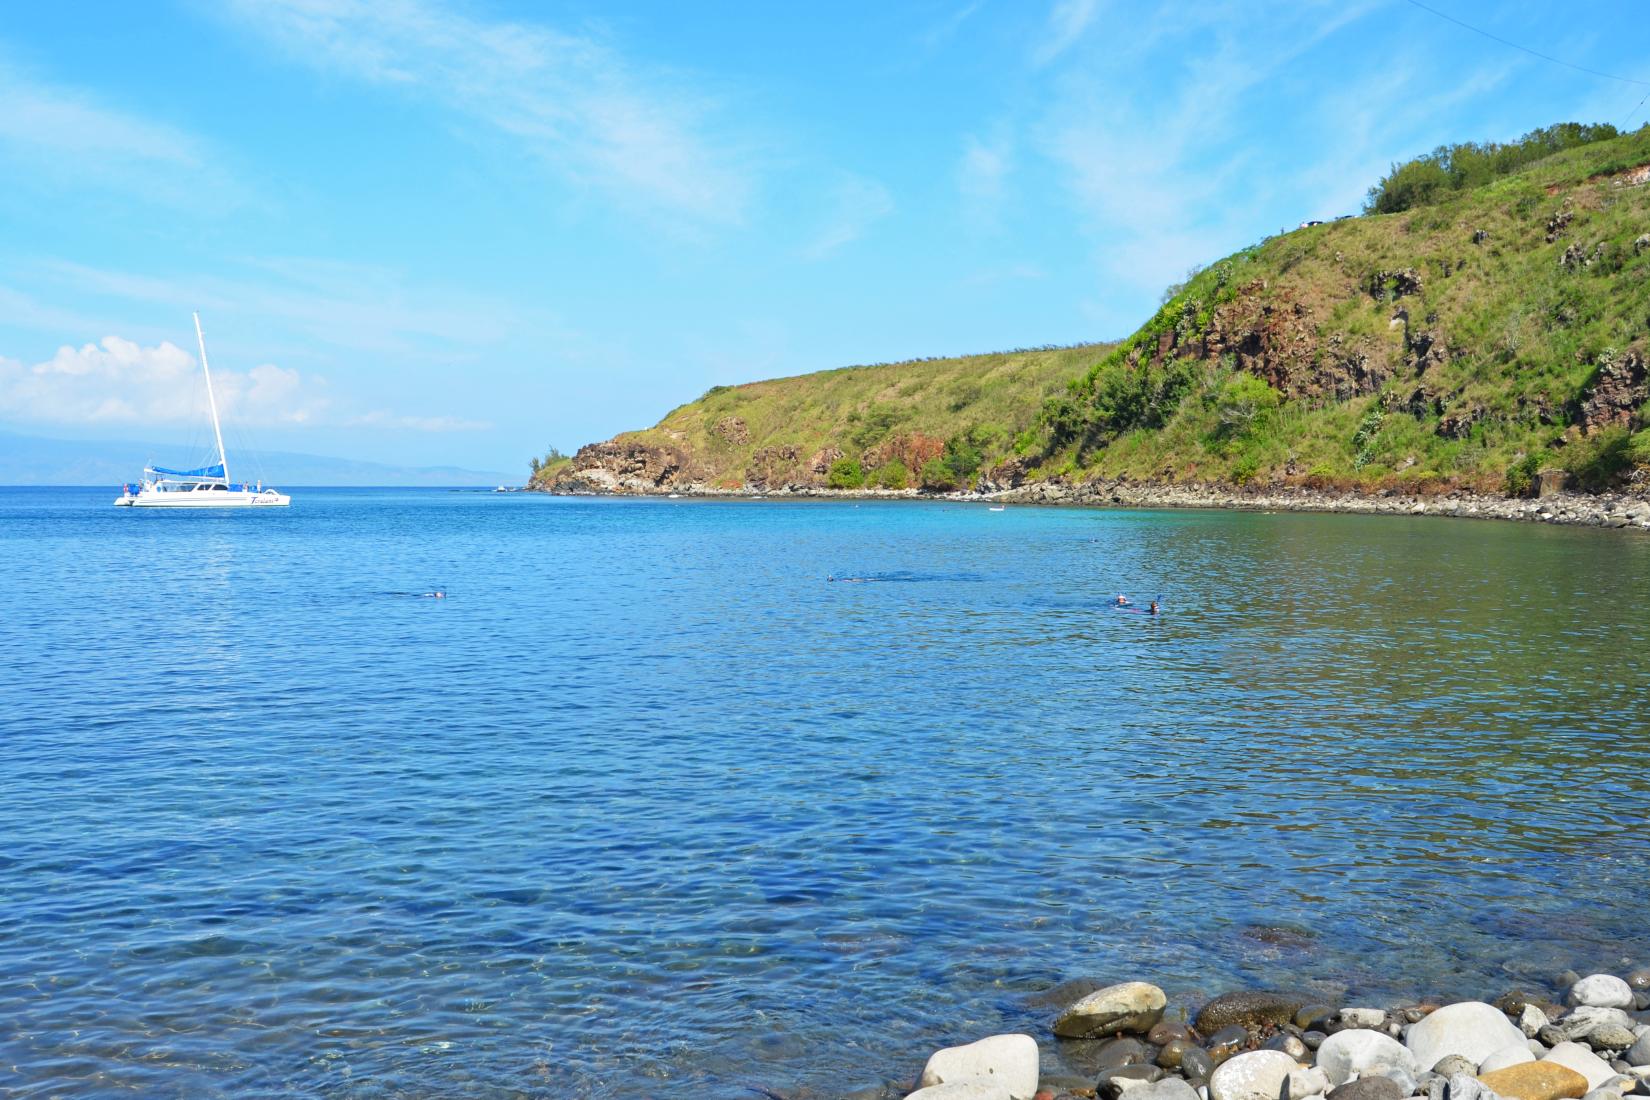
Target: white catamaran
[(207, 487)]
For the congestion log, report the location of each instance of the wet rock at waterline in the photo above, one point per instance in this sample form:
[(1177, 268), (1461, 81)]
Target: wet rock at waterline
[(1249, 1009), (1130, 1007)]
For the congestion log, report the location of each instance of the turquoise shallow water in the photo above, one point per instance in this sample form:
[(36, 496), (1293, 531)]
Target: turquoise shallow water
[(649, 807)]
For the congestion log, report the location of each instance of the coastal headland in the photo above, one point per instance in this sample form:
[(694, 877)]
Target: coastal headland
[(1476, 342)]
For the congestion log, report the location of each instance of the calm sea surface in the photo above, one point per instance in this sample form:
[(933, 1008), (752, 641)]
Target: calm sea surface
[(648, 807)]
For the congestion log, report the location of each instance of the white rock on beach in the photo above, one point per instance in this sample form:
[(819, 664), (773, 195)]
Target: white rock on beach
[(973, 1088), (1363, 1017), (1506, 1056), (1472, 1029), (1257, 1075), (1531, 1020), (1601, 991), (1583, 1061), (1010, 1060), (1359, 1052)]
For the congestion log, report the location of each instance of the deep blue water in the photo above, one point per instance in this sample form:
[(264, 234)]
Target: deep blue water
[(648, 806)]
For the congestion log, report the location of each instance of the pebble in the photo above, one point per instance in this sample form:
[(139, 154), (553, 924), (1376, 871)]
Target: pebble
[(1639, 979), (1196, 1064), (1601, 991), (1313, 1039), (1170, 1088), (1171, 1053), (1165, 1031), (1289, 1044), (1610, 1036), (1121, 1052), (1313, 1017), (1368, 1088), (1112, 1083), (1639, 1053), (1451, 1064), (1363, 1017), (1531, 1020), (1227, 1042)]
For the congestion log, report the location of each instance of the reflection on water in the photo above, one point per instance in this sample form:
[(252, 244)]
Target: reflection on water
[(647, 806)]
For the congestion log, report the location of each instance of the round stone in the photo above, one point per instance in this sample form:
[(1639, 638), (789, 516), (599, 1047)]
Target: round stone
[(1472, 1029), (1361, 1052), (1257, 1075), (1601, 991), (1249, 1008)]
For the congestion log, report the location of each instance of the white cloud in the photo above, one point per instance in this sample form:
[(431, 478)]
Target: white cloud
[(570, 101), (857, 203), (119, 381)]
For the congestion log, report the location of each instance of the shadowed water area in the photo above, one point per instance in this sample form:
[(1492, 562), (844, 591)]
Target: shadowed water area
[(647, 806)]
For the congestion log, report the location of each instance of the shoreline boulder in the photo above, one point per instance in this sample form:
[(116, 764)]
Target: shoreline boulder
[(1008, 1060), (1472, 1029), (1249, 1009), (1130, 1006), (1361, 1052), (1257, 1075)]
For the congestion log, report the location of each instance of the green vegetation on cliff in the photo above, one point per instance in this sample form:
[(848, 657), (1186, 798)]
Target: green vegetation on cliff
[(1493, 325), (1473, 340), (933, 422)]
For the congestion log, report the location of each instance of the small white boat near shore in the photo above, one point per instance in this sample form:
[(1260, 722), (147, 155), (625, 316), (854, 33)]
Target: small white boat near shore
[(205, 487)]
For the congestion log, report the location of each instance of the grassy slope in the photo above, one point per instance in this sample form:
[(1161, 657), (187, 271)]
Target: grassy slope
[(855, 409), (1519, 336)]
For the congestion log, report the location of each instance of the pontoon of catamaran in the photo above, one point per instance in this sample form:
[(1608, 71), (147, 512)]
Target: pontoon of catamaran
[(206, 487)]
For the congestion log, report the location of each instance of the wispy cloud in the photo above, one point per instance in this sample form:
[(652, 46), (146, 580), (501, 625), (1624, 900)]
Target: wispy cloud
[(569, 100), (54, 137), (1067, 21), (982, 175), (857, 203), (383, 418)]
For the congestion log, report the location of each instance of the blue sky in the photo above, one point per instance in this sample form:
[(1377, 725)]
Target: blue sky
[(431, 231)]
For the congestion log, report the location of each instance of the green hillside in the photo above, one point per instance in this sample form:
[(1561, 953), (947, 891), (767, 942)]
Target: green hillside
[(1488, 318), (852, 427), (1477, 335)]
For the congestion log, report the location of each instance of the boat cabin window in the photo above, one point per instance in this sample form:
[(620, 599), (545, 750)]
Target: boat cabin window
[(225, 488)]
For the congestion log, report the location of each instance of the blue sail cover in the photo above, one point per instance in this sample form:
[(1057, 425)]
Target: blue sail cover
[(205, 471)]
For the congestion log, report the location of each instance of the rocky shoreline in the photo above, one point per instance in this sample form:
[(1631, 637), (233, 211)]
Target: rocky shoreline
[(1614, 510), (1587, 1038)]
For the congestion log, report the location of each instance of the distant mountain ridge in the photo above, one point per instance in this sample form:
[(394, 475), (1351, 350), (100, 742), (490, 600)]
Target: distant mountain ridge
[(35, 460)]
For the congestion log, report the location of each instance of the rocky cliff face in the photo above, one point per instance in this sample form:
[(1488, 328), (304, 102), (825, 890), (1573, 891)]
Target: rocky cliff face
[(620, 466)]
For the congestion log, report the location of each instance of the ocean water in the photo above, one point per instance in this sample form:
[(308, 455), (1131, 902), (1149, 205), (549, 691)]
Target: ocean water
[(648, 806)]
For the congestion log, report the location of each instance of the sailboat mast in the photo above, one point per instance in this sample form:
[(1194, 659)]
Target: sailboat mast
[(200, 338)]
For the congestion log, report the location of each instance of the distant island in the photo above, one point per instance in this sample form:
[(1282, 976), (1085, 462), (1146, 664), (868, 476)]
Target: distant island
[(1483, 328), (31, 460)]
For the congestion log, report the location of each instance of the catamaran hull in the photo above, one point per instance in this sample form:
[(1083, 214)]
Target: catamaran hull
[(207, 500)]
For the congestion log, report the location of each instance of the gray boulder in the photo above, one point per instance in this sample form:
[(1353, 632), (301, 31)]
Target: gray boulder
[(1472, 1029), (1639, 1053)]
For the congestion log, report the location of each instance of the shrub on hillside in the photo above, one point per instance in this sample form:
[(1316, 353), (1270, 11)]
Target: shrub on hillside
[(937, 475), (890, 475), (1450, 168), (845, 474)]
